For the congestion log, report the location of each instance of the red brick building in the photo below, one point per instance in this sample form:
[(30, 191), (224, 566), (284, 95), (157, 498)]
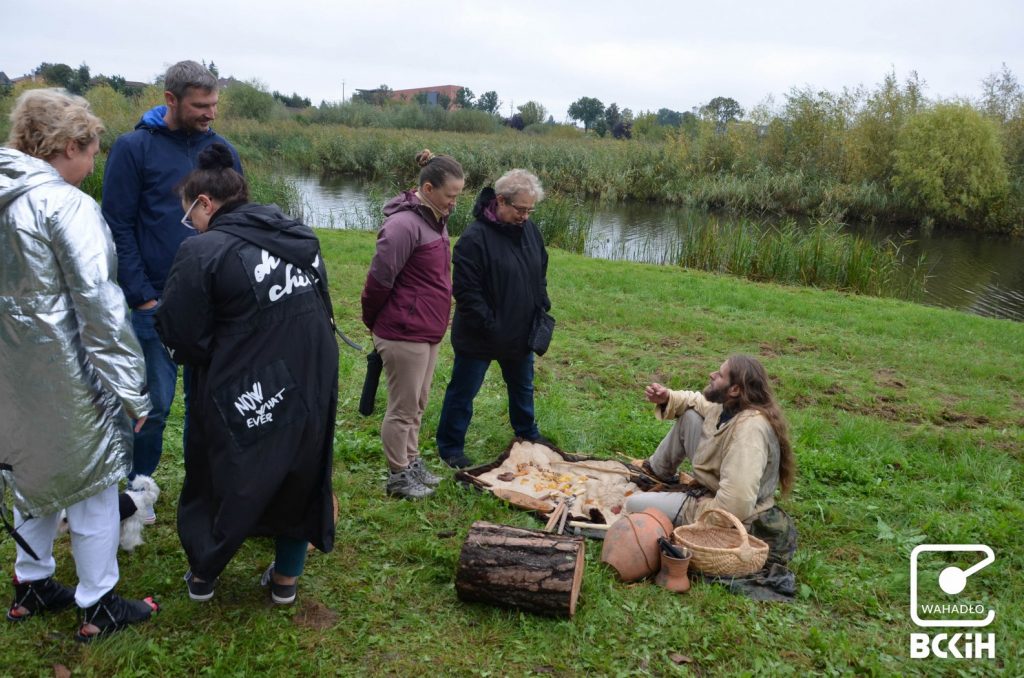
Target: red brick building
[(433, 93)]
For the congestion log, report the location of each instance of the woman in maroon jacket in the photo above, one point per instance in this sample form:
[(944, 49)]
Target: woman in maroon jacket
[(406, 304)]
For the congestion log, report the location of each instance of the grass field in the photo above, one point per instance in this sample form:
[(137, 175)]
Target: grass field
[(908, 425)]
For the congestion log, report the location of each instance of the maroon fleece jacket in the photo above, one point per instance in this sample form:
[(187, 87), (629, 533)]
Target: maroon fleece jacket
[(408, 291)]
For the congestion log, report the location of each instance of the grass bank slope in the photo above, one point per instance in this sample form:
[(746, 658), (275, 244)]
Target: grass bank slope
[(908, 424)]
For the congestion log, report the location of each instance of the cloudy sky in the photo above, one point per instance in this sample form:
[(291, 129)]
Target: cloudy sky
[(643, 55)]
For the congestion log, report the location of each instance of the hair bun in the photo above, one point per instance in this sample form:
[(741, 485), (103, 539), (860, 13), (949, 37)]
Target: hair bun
[(424, 157), (215, 157)]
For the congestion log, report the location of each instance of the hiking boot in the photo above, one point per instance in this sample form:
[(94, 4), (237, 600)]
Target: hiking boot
[(199, 591), (281, 594), (405, 484), (42, 595), (423, 474), (112, 613)]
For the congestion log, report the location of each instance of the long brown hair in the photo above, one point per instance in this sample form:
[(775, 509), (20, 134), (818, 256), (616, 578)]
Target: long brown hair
[(756, 393)]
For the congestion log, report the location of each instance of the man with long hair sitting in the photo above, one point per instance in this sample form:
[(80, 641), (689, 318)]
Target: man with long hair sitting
[(737, 440)]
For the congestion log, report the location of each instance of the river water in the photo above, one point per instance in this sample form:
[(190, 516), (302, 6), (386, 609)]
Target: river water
[(972, 272)]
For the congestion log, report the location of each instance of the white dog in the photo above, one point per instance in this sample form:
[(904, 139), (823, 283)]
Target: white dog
[(144, 492)]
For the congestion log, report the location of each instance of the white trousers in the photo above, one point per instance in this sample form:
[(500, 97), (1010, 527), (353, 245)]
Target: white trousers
[(95, 528)]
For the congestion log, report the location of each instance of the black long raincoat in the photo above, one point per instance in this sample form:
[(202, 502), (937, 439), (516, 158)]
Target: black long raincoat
[(499, 278), (239, 308)]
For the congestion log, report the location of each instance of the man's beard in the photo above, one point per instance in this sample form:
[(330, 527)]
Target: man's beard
[(189, 126), (716, 395)]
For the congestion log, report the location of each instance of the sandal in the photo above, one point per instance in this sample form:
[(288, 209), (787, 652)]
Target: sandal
[(42, 595), (112, 613)]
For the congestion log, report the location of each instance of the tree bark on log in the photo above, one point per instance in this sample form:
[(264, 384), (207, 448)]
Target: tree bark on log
[(526, 569)]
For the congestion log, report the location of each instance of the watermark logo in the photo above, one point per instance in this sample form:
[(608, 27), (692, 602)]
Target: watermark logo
[(929, 610)]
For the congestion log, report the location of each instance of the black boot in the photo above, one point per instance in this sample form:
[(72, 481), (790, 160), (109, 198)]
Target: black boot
[(112, 613), (43, 595)]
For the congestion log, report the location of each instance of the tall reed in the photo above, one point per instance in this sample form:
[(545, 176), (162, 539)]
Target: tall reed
[(824, 255)]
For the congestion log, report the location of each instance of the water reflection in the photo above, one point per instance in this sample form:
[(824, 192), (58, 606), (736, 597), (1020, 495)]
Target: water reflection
[(980, 274)]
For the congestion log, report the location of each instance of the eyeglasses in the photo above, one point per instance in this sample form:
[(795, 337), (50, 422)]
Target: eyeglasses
[(525, 211), (185, 221)]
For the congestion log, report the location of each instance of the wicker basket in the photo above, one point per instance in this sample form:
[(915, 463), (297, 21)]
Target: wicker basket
[(722, 551)]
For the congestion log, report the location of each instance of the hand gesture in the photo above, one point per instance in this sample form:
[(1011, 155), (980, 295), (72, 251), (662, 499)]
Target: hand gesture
[(656, 393)]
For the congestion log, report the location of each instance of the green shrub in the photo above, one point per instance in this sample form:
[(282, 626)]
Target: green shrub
[(949, 164), (247, 100)]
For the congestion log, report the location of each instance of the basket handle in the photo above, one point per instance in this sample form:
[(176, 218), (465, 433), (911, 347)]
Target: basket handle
[(745, 553)]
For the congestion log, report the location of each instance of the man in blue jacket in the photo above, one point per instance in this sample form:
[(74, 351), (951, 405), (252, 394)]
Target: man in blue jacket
[(148, 223)]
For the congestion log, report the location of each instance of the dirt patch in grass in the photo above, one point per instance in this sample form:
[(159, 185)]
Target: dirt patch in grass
[(947, 418), (791, 346), (890, 408), (315, 615), (889, 378)]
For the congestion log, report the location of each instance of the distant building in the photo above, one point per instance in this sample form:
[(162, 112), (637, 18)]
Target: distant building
[(432, 94), (129, 85), (4, 80)]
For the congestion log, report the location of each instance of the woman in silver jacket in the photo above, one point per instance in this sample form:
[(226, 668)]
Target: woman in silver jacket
[(71, 371)]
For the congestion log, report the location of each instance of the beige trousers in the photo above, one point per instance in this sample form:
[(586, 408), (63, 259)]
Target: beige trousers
[(409, 369)]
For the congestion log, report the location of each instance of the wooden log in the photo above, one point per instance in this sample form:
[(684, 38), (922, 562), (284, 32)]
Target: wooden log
[(526, 569)]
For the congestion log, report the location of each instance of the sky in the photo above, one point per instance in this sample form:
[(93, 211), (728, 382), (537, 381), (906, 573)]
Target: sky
[(642, 55)]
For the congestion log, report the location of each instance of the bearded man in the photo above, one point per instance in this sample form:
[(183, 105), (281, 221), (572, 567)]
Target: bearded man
[(736, 438), (147, 221)]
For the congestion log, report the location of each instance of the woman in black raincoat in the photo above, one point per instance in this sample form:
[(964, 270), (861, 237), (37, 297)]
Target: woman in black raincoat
[(246, 305)]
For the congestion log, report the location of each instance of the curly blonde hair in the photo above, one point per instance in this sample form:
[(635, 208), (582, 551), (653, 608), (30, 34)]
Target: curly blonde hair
[(45, 120)]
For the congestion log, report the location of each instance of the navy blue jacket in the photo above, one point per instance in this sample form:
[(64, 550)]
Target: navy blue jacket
[(139, 202)]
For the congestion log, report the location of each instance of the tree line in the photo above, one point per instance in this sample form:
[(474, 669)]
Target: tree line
[(889, 150)]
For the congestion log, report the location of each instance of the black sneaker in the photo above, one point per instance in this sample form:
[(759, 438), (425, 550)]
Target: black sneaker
[(42, 595), (541, 440), (461, 461), (112, 613), (281, 594), (200, 591)]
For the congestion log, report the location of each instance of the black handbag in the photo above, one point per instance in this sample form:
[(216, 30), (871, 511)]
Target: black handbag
[(374, 365), (542, 328), (541, 331)]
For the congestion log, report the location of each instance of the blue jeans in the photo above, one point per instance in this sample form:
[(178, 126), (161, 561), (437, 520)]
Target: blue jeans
[(467, 378), (161, 377)]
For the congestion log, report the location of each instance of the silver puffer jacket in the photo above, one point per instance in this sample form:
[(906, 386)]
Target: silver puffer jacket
[(71, 370)]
